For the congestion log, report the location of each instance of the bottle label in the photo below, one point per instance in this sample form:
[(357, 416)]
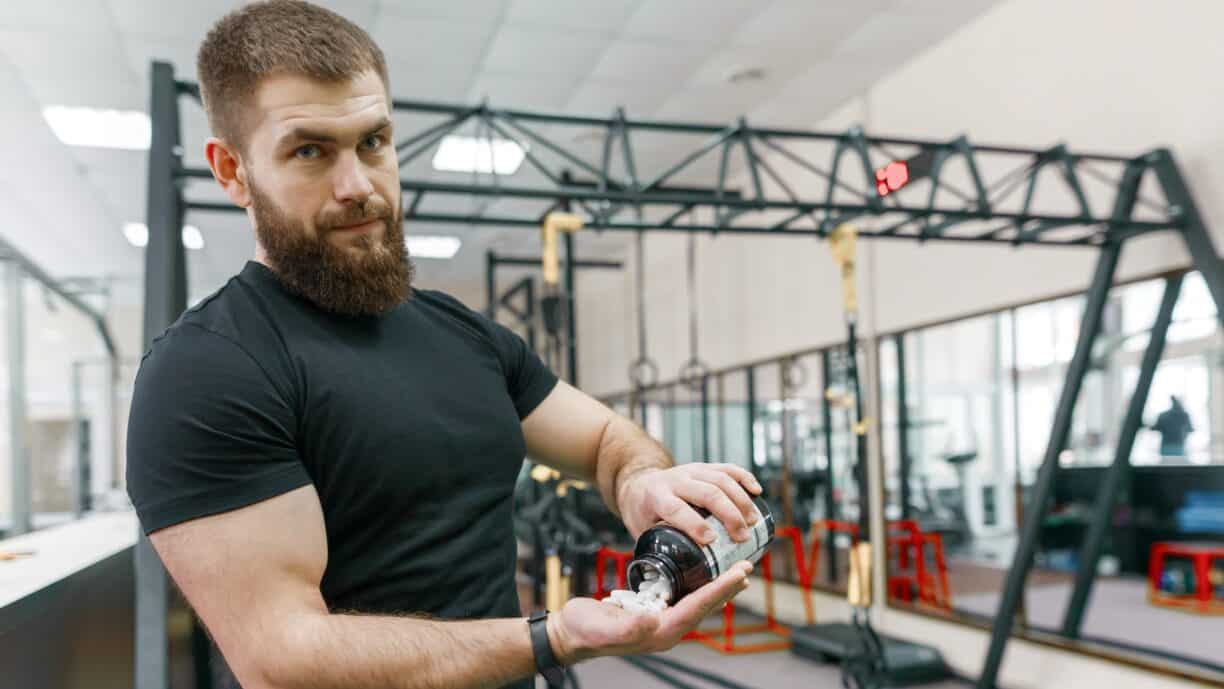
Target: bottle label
[(724, 552)]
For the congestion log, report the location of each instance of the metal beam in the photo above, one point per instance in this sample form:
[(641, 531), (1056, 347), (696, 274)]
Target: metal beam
[(1194, 231), (1119, 471), (1017, 574), (165, 299), (702, 128), (571, 328), (19, 488), (903, 428), (35, 272), (536, 262), (826, 411)]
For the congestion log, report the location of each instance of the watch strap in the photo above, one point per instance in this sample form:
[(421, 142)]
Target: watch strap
[(545, 660)]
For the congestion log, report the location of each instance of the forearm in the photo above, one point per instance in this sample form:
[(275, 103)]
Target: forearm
[(369, 652), (625, 450)]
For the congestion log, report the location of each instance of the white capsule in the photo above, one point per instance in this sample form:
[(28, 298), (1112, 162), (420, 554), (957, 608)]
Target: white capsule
[(621, 594)]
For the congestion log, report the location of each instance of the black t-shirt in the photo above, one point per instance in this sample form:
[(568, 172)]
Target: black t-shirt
[(408, 425)]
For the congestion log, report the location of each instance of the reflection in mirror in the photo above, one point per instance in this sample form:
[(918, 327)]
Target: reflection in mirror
[(970, 405)]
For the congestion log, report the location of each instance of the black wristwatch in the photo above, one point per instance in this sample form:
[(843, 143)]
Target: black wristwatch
[(545, 660)]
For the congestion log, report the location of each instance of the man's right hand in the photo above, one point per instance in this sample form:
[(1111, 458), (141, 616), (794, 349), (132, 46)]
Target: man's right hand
[(586, 628)]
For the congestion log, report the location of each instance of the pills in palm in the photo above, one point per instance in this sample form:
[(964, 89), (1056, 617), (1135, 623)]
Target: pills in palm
[(652, 596)]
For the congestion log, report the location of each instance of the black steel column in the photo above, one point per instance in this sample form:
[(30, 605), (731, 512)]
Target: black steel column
[(860, 446), (1119, 471), (530, 311), (751, 371), (826, 410), (491, 287), (1017, 575), (165, 299), (1182, 207), (705, 418), (903, 460), (571, 336)]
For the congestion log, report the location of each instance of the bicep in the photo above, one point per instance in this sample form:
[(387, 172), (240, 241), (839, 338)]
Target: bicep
[(564, 431), (251, 574)]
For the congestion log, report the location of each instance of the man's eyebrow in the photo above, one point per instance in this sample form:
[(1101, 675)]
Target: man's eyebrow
[(306, 134)]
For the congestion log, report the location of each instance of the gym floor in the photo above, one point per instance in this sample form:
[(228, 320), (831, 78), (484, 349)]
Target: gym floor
[(775, 669)]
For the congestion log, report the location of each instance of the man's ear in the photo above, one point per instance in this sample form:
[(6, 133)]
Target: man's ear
[(228, 170)]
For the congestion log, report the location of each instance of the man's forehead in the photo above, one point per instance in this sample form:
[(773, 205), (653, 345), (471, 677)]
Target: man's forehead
[(287, 100)]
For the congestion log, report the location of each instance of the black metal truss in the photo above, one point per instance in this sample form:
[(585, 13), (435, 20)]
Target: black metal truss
[(830, 177)]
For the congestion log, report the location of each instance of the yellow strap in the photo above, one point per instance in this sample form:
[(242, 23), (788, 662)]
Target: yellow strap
[(555, 222), (858, 590), (842, 244)]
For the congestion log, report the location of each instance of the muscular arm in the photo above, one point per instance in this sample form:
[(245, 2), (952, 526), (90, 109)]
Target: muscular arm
[(253, 577), (576, 435)]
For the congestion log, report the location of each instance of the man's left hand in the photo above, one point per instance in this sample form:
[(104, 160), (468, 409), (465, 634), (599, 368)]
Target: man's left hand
[(669, 495)]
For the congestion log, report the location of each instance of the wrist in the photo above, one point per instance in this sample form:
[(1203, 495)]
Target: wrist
[(625, 484), (564, 649)]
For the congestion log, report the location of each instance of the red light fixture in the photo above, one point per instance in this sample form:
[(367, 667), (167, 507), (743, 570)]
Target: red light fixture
[(892, 177)]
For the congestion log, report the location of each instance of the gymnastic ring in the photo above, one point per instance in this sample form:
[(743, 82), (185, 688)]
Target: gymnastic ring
[(643, 373), (694, 374)]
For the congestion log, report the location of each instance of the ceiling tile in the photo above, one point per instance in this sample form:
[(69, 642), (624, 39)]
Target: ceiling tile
[(473, 10), (520, 91), (160, 18), (636, 61), (818, 24), (416, 81), (100, 53), (601, 16), (544, 52), (85, 15), (601, 97), (428, 42), (694, 21)]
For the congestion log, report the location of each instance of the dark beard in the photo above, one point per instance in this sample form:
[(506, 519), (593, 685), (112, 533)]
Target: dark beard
[(370, 283)]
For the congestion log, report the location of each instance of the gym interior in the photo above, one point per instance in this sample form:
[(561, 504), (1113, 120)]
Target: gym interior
[(943, 275)]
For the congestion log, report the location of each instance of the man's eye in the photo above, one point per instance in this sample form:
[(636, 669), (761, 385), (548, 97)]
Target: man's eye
[(308, 152), (372, 142)]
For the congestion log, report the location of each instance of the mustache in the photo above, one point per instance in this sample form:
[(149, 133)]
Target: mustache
[(358, 215)]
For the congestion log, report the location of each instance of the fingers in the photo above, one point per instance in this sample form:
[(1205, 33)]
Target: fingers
[(681, 515), (741, 476), (689, 611), (738, 495), (716, 500)]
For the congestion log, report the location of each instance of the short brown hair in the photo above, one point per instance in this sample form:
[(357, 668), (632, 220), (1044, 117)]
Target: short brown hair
[(276, 37)]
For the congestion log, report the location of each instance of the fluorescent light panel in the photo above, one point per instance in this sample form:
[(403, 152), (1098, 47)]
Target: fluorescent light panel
[(137, 234), (123, 129), (471, 154), (425, 246)]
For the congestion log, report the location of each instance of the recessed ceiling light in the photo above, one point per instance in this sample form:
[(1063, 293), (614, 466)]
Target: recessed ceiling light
[(744, 75), (192, 239), (471, 154), (426, 246), (137, 234), (124, 129)]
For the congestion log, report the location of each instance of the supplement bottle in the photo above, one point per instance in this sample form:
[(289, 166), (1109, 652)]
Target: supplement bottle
[(687, 565)]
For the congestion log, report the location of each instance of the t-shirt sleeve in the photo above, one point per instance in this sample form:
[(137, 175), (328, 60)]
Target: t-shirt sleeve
[(527, 378), (209, 431)]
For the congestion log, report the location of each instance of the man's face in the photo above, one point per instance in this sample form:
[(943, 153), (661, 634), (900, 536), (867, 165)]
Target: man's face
[(324, 184)]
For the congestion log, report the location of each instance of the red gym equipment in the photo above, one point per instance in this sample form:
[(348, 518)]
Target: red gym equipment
[(908, 557), (1202, 555)]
